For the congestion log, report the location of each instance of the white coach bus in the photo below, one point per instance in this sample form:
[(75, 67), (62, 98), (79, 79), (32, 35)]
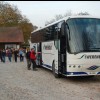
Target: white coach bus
[(70, 46)]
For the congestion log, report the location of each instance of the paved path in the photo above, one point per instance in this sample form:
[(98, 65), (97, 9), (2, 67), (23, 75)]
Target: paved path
[(18, 83)]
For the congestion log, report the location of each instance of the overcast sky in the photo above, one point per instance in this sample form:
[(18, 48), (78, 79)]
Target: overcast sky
[(38, 12)]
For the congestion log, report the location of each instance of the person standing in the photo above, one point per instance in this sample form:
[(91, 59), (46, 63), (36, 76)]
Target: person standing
[(21, 54), (13, 49), (33, 58), (9, 54), (28, 58), (15, 54), (3, 54)]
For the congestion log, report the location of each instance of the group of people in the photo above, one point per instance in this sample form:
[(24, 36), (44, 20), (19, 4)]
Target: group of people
[(12, 53), (31, 58), (21, 53)]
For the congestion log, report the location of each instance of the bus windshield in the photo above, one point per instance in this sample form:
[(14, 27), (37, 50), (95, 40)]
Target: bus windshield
[(84, 35)]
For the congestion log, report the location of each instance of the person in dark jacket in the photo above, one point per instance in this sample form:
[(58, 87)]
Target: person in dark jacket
[(9, 54), (3, 54), (28, 58), (33, 58), (15, 54)]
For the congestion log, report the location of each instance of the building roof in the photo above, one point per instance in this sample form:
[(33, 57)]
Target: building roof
[(11, 34)]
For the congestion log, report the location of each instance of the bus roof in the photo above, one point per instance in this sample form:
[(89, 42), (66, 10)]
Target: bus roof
[(65, 18)]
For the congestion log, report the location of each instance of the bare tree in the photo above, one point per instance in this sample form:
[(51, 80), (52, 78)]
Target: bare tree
[(59, 16), (46, 23), (68, 13), (83, 13), (49, 22)]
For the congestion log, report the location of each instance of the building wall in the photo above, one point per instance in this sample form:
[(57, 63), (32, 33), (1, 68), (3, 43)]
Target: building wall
[(9, 45), (16, 46), (2, 46)]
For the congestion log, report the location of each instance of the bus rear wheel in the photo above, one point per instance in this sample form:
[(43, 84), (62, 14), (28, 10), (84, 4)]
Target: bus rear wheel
[(53, 70)]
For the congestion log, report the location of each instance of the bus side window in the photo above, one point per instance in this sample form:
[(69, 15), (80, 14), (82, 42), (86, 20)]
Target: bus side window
[(50, 33), (46, 34)]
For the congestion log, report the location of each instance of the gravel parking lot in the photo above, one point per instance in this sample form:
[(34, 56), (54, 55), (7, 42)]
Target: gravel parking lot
[(18, 83)]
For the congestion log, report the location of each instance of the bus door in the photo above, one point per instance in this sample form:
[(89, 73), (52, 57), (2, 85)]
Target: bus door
[(63, 49), (63, 54), (39, 54)]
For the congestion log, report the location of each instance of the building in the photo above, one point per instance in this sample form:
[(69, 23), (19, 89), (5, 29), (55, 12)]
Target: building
[(11, 37)]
